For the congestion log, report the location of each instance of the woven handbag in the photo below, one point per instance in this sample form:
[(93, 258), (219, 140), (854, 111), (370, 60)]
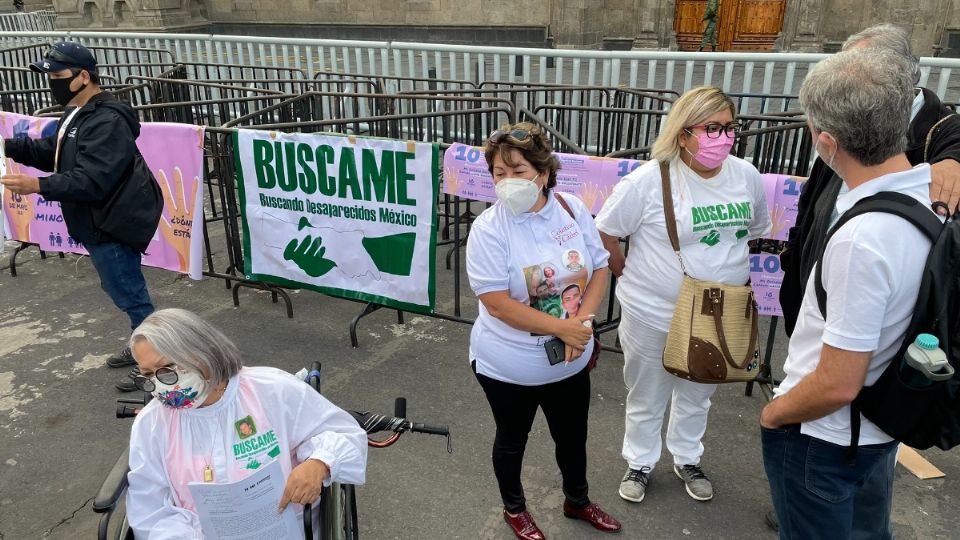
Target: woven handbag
[(713, 334)]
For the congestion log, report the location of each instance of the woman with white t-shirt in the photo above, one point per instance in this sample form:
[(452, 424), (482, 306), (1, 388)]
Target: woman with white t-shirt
[(720, 205), (532, 233)]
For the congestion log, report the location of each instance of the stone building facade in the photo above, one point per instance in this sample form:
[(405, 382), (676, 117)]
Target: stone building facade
[(804, 25)]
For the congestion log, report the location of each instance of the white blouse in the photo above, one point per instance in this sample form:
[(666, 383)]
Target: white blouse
[(265, 415)]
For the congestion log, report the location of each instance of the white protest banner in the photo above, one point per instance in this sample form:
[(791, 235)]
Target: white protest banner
[(345, 216)]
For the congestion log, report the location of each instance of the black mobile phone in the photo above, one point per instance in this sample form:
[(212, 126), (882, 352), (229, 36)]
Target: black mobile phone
[(556, 351)]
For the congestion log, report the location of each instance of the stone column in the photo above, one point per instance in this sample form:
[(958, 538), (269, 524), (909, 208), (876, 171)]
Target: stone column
[(655, 18), (803, 26), (144, 15)]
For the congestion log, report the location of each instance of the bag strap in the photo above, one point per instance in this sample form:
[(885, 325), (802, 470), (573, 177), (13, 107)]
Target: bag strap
[(754, 332), (926, 145), (888, 202), (668, 212), (563, 203)]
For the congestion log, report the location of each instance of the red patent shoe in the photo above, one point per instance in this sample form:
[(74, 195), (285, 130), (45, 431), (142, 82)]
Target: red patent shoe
[(592, 513), (523, 526)]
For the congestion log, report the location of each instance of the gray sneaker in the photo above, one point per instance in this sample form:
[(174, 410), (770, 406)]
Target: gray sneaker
[(697, 483), (634, 484)]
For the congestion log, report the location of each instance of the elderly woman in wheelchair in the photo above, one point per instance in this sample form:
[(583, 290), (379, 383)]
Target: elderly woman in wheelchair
[(212, 420)]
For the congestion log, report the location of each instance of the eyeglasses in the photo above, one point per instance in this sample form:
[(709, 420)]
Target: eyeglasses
[(713, 129), (520, 135), (166, 375)]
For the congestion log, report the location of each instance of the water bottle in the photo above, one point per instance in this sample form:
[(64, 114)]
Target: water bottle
[(925, 362)]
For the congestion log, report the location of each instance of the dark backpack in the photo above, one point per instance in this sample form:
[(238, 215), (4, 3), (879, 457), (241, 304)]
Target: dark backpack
[(929, 416)]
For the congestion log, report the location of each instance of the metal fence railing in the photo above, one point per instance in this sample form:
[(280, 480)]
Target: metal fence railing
[(748, 74), (35, 21)]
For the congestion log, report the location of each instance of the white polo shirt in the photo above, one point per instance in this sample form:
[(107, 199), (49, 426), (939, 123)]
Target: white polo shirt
[(535, 256), (716, 217), (871, 272)]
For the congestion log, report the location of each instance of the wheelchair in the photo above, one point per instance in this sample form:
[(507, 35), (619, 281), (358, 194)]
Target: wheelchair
[(338, 502)]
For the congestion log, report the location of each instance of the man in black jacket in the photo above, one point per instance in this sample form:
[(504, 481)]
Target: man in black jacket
[(933, 137), (111, 203)]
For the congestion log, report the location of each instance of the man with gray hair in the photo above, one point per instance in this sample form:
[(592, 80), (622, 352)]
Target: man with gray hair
[(858, 110), (933, 137)]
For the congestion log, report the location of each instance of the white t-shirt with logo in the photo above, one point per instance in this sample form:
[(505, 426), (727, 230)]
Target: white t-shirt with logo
[(871, 272), (716, 217), (536, 257)]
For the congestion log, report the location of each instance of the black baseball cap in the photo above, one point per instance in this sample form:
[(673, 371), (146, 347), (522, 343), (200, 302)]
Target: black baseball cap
[(65, 55)]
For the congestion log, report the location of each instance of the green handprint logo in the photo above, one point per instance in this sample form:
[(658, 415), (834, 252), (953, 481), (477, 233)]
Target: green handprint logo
[(711, 239), (308, 253)]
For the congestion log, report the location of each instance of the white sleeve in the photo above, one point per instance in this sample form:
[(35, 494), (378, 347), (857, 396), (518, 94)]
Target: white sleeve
[(151, 511), (588, 228), (321, 430), (622, 213), (859, 285), (761, 225), (487, 265)]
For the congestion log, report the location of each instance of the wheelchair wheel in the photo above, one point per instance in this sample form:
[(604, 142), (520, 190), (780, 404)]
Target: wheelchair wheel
[(338, 512)]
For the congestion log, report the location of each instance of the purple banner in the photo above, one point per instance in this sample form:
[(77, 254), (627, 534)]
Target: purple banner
[(174, 152), (766, 276), (590, 178)]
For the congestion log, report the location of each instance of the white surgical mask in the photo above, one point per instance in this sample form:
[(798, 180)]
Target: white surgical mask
[(189, 392), (518, 194)]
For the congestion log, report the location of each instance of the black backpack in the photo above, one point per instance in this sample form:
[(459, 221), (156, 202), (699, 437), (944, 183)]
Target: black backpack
[(928, 416)]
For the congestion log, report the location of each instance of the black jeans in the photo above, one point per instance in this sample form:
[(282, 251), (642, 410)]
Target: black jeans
[(565, 405)]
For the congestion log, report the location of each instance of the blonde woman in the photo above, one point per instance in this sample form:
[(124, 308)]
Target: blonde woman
[(720, 205)]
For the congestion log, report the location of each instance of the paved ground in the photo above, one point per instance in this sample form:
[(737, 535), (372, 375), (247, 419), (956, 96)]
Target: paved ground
[(60, 436)]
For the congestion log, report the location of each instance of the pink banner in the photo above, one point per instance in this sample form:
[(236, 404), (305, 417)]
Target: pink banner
[(783, 194), (592, 179), (174, 152), (766, 276)]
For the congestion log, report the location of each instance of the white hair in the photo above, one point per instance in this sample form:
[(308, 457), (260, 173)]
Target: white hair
[(862, 98), (191, 343), (890, 37)]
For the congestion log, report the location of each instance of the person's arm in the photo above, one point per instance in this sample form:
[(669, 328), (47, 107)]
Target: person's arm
[(105, 150), (523, 317), (860, 284), (762, 225), (36, 153), (617, 259), (834, 384), (943, 155), (330, 445), (151, 511), (620, 217)]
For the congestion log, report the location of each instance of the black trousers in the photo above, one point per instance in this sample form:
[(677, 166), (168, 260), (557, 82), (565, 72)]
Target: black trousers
[(565, 405)]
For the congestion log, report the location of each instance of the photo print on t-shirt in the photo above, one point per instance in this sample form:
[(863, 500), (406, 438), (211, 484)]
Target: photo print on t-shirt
[(556, 287)]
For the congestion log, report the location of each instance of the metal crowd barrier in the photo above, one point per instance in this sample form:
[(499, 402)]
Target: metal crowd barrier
[(735, 72), (35, 21)]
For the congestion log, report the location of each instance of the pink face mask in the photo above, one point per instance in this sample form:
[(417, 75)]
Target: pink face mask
[(712, 152)]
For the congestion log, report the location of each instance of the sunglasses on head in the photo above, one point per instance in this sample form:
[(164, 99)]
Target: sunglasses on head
[(519, 135), (57, 56), (166, 375)]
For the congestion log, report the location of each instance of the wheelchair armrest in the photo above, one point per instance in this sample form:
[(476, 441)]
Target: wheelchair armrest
[(114, 485)]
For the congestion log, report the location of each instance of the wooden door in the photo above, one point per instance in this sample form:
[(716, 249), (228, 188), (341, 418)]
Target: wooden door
[(743, 25)]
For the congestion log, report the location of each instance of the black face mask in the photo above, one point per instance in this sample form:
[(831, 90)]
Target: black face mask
[(60, 88)]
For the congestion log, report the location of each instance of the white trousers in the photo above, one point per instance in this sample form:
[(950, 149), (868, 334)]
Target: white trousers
[(649, 389)]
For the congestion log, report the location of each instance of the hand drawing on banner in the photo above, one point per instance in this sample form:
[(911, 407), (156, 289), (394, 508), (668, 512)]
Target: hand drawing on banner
[(19, 208), (451, 179), (324, 249), (591, 194), (778, 220), (308, 253), (176, 229)]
